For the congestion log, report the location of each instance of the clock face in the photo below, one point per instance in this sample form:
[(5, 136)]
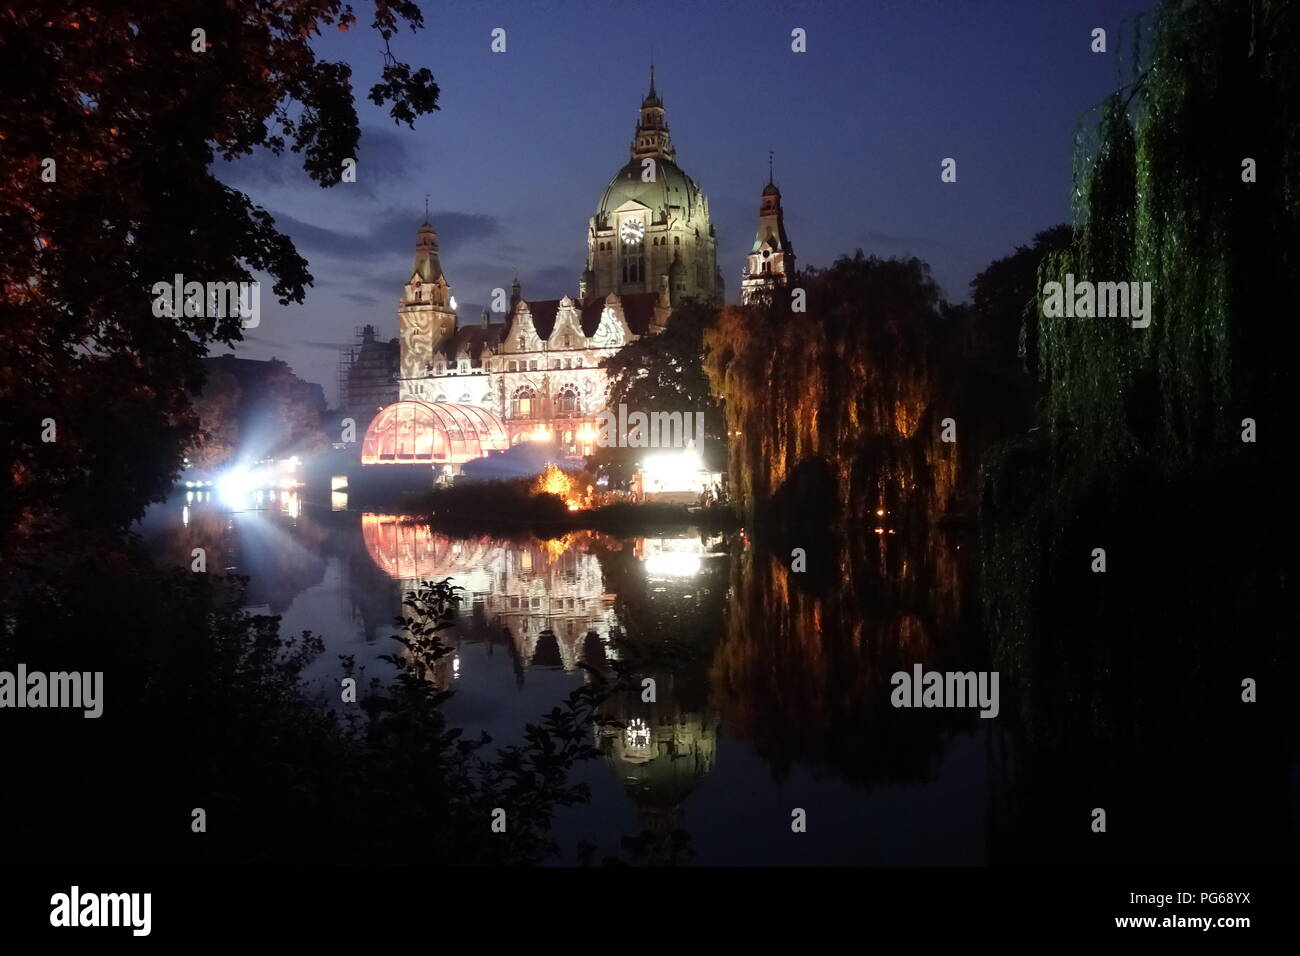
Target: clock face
[(632, 230)]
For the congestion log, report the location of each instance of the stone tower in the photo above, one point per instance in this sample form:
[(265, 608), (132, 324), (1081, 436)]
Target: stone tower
[(425, 316), (771, 258)]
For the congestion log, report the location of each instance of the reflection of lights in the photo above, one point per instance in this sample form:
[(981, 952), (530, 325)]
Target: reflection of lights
[(185, 516), (637, 734), (670, 565), (455, 667), (239, 482), (338, 483), (880, 531), (291, 504), (338, 501), (880, 512)]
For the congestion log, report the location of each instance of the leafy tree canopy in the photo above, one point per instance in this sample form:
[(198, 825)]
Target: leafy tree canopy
[(133, 110)]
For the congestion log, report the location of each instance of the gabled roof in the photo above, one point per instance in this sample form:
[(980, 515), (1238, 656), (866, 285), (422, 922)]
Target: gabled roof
[(472, 339)]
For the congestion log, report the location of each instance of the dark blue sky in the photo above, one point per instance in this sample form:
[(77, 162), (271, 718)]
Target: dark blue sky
[(526, 141)]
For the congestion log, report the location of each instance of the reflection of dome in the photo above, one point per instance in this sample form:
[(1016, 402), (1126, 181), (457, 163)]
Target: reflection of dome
[(661, 763), (672, 187)]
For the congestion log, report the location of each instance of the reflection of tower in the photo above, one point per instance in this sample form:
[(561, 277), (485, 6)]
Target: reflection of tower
[(660, 755)]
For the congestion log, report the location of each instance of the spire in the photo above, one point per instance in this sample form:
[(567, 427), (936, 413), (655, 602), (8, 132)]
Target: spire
[(652, 98), (771, 257), (651, 138), (426, 264), (770, 180)]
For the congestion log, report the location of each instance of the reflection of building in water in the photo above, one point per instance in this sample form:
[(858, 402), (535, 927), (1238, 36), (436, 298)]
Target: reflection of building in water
[(665, 588), (661, 754), (519, 589), (669, 558)]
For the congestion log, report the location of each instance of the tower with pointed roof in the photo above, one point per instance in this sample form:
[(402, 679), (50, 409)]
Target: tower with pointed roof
[(771, 257), (425, 315)]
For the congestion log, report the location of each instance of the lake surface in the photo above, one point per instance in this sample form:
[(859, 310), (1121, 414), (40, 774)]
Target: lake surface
[(778, 697)]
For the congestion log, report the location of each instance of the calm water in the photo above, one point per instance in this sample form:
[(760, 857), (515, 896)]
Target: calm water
[(777, 697), (755, 718)]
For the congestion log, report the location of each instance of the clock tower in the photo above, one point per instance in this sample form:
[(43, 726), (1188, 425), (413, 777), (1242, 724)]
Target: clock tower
[(651, 232)]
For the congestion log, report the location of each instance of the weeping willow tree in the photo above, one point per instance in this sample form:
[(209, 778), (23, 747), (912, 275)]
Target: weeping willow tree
[(1188, 180), (845, 392), (1185, 178)]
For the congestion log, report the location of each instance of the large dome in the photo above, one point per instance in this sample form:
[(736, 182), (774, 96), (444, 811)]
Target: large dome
[(672, 187)]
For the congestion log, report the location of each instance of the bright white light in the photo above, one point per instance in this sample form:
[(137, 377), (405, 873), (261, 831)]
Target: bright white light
[(233, 486), (672, 465), (670, 565), (637, 734)]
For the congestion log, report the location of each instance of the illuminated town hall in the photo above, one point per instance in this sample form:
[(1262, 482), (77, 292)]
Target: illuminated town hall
[(466, 389)]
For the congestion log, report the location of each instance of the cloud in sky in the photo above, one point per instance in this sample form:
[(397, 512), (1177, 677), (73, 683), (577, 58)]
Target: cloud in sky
[(383, 160), (391, 234)]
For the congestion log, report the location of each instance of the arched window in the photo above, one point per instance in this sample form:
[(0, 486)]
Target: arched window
[(568, 401), (465, 399), (441, 398), (633, 262), (524, 402)]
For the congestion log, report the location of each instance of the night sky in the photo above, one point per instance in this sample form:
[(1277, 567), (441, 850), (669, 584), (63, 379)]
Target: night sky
[(525, 142)]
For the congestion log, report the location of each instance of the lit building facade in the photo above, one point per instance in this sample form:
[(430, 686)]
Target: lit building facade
[(650, 246)]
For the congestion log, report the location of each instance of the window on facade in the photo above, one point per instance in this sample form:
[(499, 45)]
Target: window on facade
[(568, 341), (464, 366), (555, 363), (633, 262), (465, 399), (438, 368), (568, 400), (677, 240), (522, 405), (513, 367), (441, 398), (577, 363)]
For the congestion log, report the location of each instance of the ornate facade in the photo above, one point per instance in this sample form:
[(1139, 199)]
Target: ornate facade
[(650, 246)]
